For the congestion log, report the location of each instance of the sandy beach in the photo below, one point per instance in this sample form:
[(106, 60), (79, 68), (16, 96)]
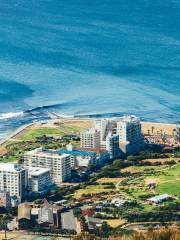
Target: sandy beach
[(154, 128)]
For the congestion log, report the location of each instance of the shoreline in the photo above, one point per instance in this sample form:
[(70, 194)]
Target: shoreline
[(147, 127)]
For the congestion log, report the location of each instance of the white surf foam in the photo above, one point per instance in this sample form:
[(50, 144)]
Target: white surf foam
[(10, 115)]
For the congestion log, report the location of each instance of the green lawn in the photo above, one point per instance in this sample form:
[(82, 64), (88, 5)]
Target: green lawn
[(33, 133), (166, 177), (169, 182), (94, 189), (170, 187)]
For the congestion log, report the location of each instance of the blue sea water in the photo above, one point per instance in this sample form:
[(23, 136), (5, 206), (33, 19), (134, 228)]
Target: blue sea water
[(87, 57)]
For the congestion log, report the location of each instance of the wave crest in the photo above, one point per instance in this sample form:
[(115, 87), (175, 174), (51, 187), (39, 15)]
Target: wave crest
[(10, 115)]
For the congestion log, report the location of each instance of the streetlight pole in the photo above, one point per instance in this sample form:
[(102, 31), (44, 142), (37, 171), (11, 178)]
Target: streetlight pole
[(5, 229)]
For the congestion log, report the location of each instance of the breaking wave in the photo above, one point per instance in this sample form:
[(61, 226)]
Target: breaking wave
[(10, 115)]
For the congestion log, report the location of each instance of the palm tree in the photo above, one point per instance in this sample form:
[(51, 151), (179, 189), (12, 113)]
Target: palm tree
[(152, 129), (174, 132)]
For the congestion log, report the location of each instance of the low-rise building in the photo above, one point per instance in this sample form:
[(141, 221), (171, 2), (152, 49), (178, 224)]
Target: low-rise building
[(48, 215), (93, 223), (83, 158), (158, 199), (68, 221), (118, 202), (45, 214), (24, 215)]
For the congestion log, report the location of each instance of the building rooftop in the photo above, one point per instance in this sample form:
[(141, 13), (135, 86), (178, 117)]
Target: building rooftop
[(129, 118), (90, 131), (24, 211), (10, 167), (47, 153), (36, 171), (45, 213), (77, 152), (159, 198), (68, 220)]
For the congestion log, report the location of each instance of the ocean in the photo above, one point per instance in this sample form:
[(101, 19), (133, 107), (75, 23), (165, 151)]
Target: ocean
[(83, 57)]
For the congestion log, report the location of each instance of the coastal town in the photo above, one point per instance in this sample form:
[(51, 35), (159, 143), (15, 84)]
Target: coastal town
[(102, 176)]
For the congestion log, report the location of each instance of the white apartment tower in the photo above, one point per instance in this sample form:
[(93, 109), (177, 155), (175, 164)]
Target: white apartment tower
[(13, 179), (102, 125), (130, 136), (39, 179), (90, 139), (112, 145), (59, 164)]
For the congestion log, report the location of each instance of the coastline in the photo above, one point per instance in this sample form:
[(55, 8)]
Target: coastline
[(151, 128)]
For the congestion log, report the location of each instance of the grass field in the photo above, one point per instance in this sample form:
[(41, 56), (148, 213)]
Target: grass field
[(115, 222), (167, 179), (170, 187), (94, 189), (141, 169), (110, 180), (32, 132)]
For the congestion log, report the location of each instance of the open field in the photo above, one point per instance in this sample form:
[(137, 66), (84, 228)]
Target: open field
[(170, 187), (115, 222), (140, 169), (32, 132), (110, 180), (136, 185), (94, 189), (58, 128), (169, 181), (166, 178)]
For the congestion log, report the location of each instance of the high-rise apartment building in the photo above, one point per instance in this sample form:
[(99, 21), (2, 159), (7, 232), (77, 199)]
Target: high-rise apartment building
[(39, 179), (59, 164), (130, 136), (112, 145), (90, 139), (13, 179)]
